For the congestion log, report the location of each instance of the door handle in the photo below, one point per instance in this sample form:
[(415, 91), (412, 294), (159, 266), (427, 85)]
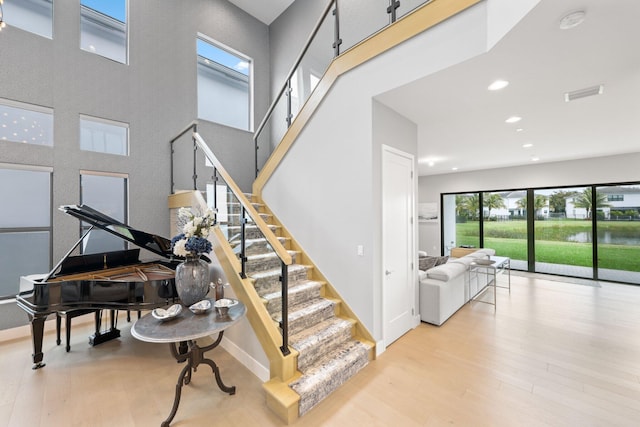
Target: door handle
[(388, 272)]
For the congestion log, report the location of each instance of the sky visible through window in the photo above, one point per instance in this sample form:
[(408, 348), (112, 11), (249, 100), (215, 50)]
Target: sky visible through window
[(209, 51), (115, 8)]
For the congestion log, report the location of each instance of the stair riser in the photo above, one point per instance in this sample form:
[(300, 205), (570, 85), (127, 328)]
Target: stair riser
[(251, 232), (298, 324), (234, 219), (269, 284), (236, 208), (355, 360), (311, 354), (295, 297), (271, 262), (261, 247)]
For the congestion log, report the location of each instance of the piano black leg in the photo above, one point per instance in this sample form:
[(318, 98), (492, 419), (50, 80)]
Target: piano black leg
[(99, 337), (58, 322), (37, 333)]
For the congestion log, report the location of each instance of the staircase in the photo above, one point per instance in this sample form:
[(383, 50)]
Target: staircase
[(321, 330)]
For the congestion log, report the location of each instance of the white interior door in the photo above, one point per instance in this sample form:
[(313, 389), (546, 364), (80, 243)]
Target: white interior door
[(398, 207)]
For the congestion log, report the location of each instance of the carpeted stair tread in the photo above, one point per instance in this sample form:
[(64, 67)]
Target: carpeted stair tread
[(329, 373), (251, 231), (312, 343), (266, 261), (266, 282), (258, 246), (307, 314), (298, 293)]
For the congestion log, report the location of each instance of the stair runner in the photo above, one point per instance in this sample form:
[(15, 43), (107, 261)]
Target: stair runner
[(328, 353)]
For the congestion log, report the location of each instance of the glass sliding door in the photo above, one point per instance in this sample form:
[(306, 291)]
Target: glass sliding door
[(618, 233), (461, 220), (505, 225), (563, 231)]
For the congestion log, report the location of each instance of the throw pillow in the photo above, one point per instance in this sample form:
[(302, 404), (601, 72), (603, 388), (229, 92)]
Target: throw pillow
[(427, 262), (442, 260)]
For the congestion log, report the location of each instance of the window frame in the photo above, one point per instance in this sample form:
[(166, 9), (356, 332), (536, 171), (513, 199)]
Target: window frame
[(221, 46), (108, 122)]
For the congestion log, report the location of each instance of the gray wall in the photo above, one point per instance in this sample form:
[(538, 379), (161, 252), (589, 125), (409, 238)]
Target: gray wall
[(155, 94), (600, 170)]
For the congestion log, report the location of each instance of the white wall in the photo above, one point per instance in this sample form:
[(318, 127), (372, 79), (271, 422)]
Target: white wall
[(327, 190), (600, 170)]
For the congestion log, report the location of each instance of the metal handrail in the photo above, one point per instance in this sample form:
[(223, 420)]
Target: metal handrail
[(293, 69), (246, 204)]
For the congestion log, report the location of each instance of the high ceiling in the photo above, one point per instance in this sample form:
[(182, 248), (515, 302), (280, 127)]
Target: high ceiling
[(462, 125), (264, 10)]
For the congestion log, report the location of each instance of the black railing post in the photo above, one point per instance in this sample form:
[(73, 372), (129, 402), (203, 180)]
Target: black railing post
[(173, 184), (284, 324), (215, 192), (288, 95), (195, 172), (337, 41), (393, 5), (243, 238)]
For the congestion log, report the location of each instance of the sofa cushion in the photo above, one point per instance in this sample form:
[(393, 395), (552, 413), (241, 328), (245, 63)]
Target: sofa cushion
[(422, 274), (446, 272), (477, 255), (465, 260), (487, 251)]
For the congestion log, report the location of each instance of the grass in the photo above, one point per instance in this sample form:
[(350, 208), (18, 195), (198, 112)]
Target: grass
[(509, 238)]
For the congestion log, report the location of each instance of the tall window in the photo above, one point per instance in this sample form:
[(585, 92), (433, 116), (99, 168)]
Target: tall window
[(35, 16), (224, 85), (103, 28), (25, 225), (106, 193), (104, 136), (25, 123)]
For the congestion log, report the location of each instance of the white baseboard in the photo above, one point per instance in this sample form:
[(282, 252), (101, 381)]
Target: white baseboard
[(380, 348), (243, 357)]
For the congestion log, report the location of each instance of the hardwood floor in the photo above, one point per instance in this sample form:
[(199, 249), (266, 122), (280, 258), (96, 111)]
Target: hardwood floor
[(552, 354)]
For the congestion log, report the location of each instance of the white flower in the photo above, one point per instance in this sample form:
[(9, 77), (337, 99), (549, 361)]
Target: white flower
[(179, 248), (189, 229)]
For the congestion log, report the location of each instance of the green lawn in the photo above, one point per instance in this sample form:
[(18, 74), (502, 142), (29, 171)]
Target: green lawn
[(508, 238)]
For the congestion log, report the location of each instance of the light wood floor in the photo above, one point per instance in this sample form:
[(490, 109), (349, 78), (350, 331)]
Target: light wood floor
[(552, 354)]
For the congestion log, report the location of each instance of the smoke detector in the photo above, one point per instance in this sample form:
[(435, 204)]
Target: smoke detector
[(572, 20)]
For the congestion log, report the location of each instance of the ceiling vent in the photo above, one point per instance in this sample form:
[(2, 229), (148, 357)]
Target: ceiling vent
[(583, 93)]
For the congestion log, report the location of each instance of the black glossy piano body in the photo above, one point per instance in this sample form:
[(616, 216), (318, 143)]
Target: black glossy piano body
[(111, 280)]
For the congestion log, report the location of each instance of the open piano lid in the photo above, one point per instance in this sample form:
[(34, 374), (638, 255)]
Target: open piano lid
[(156, 244)]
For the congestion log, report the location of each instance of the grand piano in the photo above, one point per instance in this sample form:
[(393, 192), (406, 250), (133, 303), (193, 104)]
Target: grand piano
[(112, 280)]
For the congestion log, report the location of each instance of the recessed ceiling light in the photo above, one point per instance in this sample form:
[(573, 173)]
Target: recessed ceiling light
[(455, 168), (529, 145), (572, 20), (430, 164), (513, 119), (519, 130), (535, 159), (498, 84)]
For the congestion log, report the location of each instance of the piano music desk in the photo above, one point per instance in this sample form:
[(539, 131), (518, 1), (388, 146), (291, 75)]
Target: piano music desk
[(185, 329)]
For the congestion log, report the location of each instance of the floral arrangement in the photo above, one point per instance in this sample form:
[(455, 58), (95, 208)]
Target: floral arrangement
[(195, 230)]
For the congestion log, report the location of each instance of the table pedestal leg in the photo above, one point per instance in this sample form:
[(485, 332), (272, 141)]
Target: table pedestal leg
[(194, 357)]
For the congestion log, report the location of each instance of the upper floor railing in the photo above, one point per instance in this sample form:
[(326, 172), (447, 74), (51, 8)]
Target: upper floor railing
[(341, 25)]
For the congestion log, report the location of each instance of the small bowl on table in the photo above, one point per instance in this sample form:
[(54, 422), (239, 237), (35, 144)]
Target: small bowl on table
[(223, 305)]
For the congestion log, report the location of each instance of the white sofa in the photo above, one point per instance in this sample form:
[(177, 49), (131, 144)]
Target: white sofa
[(447, 287)]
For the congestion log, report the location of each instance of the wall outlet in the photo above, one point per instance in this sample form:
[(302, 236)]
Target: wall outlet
[(360, 250)]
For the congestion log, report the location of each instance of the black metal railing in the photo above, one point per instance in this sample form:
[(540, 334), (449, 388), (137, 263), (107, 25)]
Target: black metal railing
[(235, 229), (359, 25)]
